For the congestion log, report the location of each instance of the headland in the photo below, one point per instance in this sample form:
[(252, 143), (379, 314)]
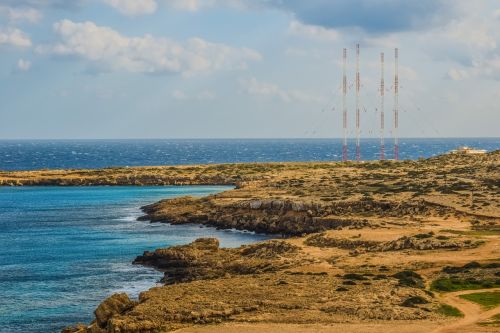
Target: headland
[(378, 246)]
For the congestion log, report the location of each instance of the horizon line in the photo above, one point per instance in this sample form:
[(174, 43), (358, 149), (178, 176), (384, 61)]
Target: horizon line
[(388, 139)]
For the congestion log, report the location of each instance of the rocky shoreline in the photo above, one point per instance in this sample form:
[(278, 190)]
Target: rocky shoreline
[(277, 280), (362, 242), (285, 217)]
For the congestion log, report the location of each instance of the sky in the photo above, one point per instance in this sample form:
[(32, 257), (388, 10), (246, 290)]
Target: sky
[(84, 69)]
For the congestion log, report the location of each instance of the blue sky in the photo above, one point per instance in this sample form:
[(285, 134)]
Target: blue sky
[(244, 68)]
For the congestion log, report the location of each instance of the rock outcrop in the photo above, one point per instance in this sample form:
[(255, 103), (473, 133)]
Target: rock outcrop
[(414, 242), (209, 284), (204, 260), (286, 217), (109, 309), (116, 304)]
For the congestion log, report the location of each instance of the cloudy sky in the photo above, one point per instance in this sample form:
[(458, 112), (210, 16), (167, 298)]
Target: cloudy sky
[(244, 68)]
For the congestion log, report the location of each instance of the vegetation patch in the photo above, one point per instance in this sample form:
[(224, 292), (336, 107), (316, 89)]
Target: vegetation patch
[(493, 321), (423, 236), (412, 301), (478, 233), (488, 300), (449, 311), (409, 279), (464, 268), (452, 284), (354, 276)]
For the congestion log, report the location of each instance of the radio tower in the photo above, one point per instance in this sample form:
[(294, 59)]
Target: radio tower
[(396, 104), (382, 120), (357, 104), (344, 105)]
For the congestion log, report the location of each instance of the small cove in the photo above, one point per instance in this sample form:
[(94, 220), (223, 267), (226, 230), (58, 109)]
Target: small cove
[(65, 249)]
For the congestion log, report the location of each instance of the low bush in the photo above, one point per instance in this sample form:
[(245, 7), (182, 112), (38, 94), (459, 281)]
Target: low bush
[(409, 279), (354, 276), (454, 284), (449, 311), (412, 301)]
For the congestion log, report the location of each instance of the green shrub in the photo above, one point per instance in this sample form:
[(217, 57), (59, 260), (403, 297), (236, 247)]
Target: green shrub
[(449, 311), (354, 276), (422, 236), (454, 284), (414, 300), (410, 279)]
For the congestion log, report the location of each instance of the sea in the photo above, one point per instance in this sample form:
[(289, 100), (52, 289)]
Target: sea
[(74, 154), (65, 249)]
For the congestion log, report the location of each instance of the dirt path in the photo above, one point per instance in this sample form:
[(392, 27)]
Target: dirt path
[(473, 312)]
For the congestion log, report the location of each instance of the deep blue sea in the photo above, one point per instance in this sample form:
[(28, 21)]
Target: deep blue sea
[(28, 154), (63, 250)]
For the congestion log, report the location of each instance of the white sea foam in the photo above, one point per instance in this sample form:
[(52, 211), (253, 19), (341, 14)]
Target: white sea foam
[(130, 218)]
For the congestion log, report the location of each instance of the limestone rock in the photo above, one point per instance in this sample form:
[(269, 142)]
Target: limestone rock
[(204, 260), (116, 304)]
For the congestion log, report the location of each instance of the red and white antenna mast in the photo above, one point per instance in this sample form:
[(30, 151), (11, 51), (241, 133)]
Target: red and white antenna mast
[(344, 104), (396, 104), (358, 83), (382, 96)]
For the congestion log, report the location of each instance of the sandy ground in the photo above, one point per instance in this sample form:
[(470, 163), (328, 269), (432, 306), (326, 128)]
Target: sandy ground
[(393, 327), (473, 314)]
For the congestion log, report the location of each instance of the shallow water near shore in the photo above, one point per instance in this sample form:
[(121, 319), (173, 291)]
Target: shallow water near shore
[(64, 249)]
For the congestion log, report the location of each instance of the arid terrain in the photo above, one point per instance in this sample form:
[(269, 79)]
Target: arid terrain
[(387, 246)]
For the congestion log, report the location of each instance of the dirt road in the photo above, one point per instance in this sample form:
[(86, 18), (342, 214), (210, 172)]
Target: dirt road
[(473, 312)]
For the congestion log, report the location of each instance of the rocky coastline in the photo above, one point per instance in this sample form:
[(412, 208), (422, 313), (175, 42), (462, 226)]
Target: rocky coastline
[(356, 242)]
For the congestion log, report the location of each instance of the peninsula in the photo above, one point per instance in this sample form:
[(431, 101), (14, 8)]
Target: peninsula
[(378, 246)]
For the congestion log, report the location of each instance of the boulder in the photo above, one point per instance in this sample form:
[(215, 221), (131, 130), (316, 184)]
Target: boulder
[(116, 304)]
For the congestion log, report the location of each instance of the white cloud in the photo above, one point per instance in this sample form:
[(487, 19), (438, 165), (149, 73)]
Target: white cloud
[(45, 3), (472, 43), (133, 7), (471, 33), (254, 87), (206, 95), (258, 88), (190, 5), (387, 41), (196, 5), (14, 37), (488, 68), (179, 94), (368, 15), (298, 52), (23, 65), (491, 67), (407, 73), (203, 95), (141, 7), (20, 14), (103, 47), (457, 74), (312, 31)]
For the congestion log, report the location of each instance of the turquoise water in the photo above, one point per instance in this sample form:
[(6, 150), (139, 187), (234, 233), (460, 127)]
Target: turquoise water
[(64, 249)]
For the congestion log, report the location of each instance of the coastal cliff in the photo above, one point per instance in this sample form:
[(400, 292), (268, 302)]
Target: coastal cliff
[(304, 198)]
